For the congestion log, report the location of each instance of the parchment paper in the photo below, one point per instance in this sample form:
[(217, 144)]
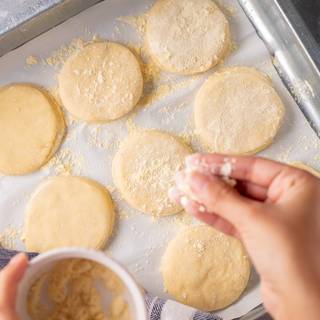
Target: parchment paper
[(139, 240)]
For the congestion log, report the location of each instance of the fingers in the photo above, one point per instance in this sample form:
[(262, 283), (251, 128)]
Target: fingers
[(216, 196), (201, 213), (258, 171), (252, 190), (10, 277)]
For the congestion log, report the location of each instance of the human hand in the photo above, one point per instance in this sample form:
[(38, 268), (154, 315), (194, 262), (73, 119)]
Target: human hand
[(10, 277), (275, 211)]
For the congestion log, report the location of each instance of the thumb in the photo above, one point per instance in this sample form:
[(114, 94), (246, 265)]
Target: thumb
[(218, 197), (10, 277)]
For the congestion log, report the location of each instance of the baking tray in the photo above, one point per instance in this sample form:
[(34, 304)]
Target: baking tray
[(22, 20), (296, 54), (25, 19)]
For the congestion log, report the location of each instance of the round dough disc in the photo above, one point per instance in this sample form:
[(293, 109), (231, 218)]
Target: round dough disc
[(237, 111), (196, 37), (144, 167), (102, 82), (307, 168), (205, 269), (32, 127), (68, 211)]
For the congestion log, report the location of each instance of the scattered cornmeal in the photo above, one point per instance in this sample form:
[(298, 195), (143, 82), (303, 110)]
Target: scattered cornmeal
[(71, 291)]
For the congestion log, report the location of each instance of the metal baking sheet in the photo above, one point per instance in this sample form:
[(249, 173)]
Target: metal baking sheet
[(140, 241), (22, 20)]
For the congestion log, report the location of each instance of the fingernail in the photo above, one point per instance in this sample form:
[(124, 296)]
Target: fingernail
[(16, 258), (188, 204), (192, 206)]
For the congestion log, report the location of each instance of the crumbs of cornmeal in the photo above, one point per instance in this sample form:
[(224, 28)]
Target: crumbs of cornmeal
[(32, 60), (9, 237), (97, 138), (59, 56), (67, 162), (123, 215)]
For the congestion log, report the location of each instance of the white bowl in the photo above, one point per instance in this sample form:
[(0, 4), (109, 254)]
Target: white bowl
[(44, 262)]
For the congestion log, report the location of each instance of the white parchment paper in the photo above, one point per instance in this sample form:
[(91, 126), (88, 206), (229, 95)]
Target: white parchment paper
[(139, 240)]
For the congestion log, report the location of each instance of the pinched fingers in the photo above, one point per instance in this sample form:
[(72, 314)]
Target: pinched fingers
[(258, 171), (215, 196), (200, 212)]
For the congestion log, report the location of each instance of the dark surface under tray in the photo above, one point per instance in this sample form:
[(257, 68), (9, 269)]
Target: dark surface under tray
[(310, 13)]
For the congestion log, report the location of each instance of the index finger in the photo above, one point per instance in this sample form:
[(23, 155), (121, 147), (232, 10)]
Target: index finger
[(259, 171)]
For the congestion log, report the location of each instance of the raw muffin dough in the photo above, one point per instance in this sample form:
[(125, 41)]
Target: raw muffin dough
[(32, 127), (237, 111), (187, 36), (205, 269), (68, 211), (102, 82), (144, 167), (303, 166), (70, 287)]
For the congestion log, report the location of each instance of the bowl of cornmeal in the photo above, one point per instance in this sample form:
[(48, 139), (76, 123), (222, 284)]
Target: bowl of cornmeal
[(78, 284)]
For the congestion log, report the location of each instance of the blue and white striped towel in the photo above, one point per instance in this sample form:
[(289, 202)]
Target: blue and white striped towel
[(158, 309)]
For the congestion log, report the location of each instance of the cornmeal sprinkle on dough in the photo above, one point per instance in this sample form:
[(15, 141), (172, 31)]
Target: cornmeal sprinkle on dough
[(144, 167), (101, 82), (229, 103), (197, 35)]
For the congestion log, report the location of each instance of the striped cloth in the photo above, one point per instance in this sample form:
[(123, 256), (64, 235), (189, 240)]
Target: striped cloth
[(158, 309)]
